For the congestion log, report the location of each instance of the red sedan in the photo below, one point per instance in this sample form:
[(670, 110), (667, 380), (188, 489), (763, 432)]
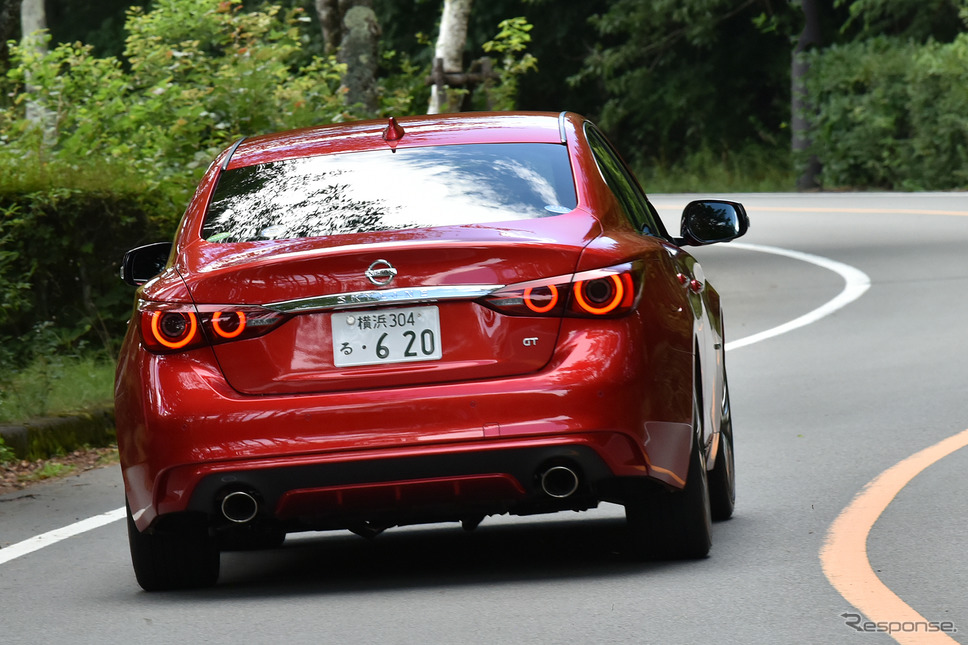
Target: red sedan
[(368, 325)]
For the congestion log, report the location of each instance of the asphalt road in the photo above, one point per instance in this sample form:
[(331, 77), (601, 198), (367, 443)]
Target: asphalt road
[(820, 412)]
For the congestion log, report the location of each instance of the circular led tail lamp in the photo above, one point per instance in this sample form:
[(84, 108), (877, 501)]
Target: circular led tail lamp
[(231, 326), (174, 330), (600, 296), (552, 296)]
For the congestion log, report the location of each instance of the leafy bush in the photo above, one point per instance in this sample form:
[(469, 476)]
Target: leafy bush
[(891, 114), (196, 74), (59, 264), (510, 44), (938, 115), (6, 453)]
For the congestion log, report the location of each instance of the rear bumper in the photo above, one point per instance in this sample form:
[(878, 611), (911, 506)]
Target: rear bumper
[(442, 483), (186, 438)]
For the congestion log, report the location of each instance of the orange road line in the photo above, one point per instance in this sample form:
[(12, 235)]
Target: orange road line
[(844, 552), (862, 211), (889, 211)]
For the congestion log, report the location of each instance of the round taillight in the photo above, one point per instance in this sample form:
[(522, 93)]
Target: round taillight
[(601, 295), (541, 300), (228, 325), (173, 329)]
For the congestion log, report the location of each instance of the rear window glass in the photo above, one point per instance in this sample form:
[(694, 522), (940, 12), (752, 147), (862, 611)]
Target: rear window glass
[(385, 190)]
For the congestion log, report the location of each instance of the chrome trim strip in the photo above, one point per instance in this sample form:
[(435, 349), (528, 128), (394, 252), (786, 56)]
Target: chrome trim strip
[(384, 297)]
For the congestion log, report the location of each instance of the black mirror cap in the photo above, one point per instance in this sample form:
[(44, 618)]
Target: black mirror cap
[(709, 221), (145, 262)]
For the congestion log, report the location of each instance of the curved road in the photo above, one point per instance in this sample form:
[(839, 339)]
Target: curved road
[(850, 525)]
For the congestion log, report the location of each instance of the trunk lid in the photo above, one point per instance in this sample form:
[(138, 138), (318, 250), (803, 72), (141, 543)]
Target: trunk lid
[(422, 327)]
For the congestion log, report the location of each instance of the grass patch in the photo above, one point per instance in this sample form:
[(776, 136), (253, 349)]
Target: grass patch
[(56, 385), (754, 170), (49, 470)]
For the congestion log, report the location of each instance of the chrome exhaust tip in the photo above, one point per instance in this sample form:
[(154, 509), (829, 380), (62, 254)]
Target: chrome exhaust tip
[(559, 482), (239, 507)]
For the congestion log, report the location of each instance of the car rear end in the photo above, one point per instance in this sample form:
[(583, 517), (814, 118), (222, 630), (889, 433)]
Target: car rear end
[(359, 331)]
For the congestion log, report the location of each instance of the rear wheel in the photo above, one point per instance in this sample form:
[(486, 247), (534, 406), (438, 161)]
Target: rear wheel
[(672, 524), (722, 478), (180, 557)]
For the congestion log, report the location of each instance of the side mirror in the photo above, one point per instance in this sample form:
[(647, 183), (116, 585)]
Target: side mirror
[(712, 220), (145, 262)]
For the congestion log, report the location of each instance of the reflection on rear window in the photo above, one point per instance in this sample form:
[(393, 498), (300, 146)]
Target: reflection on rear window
[(384, 190)]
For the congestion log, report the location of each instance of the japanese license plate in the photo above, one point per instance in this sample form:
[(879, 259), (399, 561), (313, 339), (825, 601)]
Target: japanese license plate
[(373, 337)]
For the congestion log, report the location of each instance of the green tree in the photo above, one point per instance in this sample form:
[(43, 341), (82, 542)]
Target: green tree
[(195, 75), (677, 76), (917, 20)]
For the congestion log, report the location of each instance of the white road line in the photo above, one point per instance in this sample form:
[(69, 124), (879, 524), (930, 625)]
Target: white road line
[(857, 283), (38, 542)]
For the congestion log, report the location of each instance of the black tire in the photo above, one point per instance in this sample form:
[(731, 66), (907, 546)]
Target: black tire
[(672, 524), (185, 558), (722, 478)]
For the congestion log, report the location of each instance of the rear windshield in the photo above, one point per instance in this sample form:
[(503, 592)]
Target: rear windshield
[(385, 190)]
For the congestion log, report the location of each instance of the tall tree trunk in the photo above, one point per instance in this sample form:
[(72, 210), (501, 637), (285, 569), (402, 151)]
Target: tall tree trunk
[(331, 14), (331, 23), (449, 51), (33, 18), (359, 51), (809, 37), (351, 32)]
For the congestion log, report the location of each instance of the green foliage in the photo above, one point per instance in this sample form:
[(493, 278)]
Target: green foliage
[(510, 45), (50, 470), (6, 453), (58, 265), (401, 85), (755, 168), (55, 383), (675, 76), (918, 20), (100, 24), (195, 75), (14, 279), (938, 115), (858, 93), (891, 113)]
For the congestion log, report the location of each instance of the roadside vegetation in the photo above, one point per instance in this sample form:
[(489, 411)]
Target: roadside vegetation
[(109, 117), (17, 474), (57, 384)]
